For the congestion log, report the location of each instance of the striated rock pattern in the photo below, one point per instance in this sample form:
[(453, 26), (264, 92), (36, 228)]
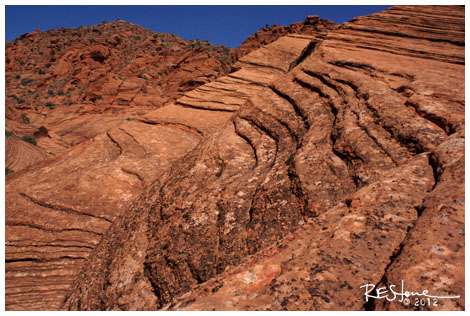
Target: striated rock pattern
[(321, 164), (312, 25), (69, 85), (83, 190)]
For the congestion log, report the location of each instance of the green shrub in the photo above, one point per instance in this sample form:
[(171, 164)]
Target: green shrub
[(60, 92), (99, 97), (50, 92), (8, 134), (19, 100), (25, 118), (8, 171), (26, 81), (155, 36), (41, 72), (52, 52), (47, 65), (49, 104), (29, 139), (17, 76)]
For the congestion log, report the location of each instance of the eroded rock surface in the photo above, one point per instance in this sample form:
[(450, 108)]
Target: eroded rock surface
[(78, 83), (83, 190), (322, 164)]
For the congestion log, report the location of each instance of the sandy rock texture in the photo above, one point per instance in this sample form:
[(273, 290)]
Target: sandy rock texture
[(81, 191), (321, 163), (66, 86)]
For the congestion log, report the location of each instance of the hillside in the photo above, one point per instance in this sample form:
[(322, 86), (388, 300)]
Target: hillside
[(320, 159), (65, 86)]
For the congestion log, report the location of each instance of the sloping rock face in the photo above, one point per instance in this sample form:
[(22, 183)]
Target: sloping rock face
[(312, 25), (58, 210), (348, 170), (321, 165), (77, 83)]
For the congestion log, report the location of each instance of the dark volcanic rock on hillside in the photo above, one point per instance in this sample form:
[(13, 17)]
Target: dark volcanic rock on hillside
[(323, 163)]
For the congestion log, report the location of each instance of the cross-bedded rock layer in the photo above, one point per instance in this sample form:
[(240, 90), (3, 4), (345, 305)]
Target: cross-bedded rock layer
[(322, 164), (58, 210)]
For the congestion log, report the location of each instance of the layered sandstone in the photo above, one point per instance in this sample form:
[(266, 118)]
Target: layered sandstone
[(66, 86), (321, 164), (312, 25), (83, 190)]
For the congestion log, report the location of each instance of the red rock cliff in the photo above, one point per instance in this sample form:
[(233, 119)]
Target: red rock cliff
[(321, 164)]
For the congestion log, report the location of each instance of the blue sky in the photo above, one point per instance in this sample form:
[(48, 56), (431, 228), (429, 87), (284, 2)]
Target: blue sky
[(222, 25)]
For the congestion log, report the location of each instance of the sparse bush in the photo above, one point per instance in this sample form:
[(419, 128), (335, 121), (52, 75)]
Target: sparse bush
[(8, 134), (25, 118), (49, 104), (47, 65), (26, 81), (41, 72), (19, 100), (29, 139), (155, 36), (52, 52), (50, 92), (99, 97), (60, 92), (17, 76), (8, 171)]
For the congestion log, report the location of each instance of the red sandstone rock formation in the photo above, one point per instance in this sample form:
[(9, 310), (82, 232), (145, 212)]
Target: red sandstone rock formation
[(321, 164), (77, 83), (312, 25)]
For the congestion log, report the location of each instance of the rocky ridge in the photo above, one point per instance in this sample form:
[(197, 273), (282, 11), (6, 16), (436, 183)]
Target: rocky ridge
[(322, 163), (312, 25), (66, 86), (121, 162)]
